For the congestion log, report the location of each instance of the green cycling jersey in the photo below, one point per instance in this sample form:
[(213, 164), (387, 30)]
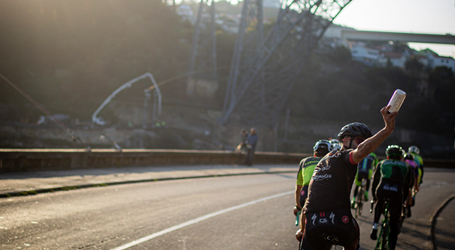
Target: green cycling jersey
[(306, 168)]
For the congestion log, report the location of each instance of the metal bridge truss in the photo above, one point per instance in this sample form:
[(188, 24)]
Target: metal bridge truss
[(203, 54), (260, 84)]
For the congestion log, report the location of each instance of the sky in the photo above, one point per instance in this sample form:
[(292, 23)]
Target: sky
[(407, 16)]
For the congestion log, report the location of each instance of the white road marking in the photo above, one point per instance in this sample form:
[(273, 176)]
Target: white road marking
[(202, 218)]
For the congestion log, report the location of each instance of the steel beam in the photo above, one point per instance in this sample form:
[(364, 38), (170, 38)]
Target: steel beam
[(259, 88)]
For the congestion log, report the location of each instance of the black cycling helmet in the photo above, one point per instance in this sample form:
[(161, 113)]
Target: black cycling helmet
[(322, 147), (394, 152), (355, 129)]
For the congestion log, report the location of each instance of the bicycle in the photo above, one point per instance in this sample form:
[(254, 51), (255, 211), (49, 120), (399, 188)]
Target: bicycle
[(359, 199), (383, 242)]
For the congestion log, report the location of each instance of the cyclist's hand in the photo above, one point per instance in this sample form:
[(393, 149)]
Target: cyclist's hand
[(389, 118), (296, 210), (299, 235)]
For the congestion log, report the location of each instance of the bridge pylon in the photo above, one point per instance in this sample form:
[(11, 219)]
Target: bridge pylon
[(202, 61), (260, 84)]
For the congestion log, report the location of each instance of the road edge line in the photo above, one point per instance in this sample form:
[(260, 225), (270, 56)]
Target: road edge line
[(433, 218)]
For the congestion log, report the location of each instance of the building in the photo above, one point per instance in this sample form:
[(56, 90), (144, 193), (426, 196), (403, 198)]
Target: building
[(361, 53), (396, 59), (439, 61)]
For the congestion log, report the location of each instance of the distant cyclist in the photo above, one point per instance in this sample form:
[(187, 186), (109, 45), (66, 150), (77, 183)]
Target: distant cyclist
[(327, 209), (392, 180), (415, 160), (414, 151), (336, 145), (306, 168), (365, 170)]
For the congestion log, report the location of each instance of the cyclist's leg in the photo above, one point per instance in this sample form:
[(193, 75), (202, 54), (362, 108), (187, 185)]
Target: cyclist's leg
[(370, 173), (355, 235), (395, 207), (378, 208), (365, 176), (358, 183)]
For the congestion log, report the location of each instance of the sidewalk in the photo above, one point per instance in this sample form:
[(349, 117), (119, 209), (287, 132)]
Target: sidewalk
[(33, 182)]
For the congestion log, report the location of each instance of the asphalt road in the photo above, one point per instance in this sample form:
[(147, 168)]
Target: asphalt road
[(237, 212)]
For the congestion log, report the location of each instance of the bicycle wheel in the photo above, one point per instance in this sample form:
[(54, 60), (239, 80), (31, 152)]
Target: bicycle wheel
[(385, 237), (359, 202)]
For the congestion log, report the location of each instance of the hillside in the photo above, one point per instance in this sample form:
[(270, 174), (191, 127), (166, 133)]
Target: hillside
[(70, 57)]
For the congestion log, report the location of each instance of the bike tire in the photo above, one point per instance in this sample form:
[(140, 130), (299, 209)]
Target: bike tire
[(385, 238), (359, 201)]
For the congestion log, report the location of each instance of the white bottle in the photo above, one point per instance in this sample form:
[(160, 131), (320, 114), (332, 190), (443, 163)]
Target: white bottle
[(397, 100)]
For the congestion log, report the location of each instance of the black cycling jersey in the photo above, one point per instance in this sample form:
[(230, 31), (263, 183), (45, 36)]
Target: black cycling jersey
[(330, 186)]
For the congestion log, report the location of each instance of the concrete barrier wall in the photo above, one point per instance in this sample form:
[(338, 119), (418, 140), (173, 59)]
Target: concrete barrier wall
[(54, 159)]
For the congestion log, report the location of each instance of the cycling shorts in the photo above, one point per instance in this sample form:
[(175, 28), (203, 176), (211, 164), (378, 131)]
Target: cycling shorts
[(339, 223)]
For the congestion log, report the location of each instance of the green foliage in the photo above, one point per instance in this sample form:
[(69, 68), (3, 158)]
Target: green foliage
[(413, 66), (442, 80), (341, 55)]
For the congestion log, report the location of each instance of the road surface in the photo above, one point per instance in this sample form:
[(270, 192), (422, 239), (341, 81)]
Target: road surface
[(236, 212)]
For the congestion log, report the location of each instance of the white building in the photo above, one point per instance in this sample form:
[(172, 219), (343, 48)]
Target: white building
[(436, 61), (363, 54), (395, 58)]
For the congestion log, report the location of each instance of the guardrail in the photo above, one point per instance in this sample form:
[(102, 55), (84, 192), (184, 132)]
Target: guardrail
[(54, 159), (12, 160)]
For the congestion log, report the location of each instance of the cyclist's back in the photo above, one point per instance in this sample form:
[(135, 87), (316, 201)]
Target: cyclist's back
[(331, 214)]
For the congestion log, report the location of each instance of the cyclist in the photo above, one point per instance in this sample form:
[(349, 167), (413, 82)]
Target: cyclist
[(414, 151), (391, 180), (415, 161), (327, 208), (335, 144), (364, 171), (306, 168)]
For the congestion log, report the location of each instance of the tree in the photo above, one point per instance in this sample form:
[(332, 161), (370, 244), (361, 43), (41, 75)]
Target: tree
[(442, 80), (341, 55), (413, 66)]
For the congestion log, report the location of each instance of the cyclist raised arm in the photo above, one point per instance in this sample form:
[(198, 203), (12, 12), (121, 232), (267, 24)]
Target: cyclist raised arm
[(327, 209), (372, 143)]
